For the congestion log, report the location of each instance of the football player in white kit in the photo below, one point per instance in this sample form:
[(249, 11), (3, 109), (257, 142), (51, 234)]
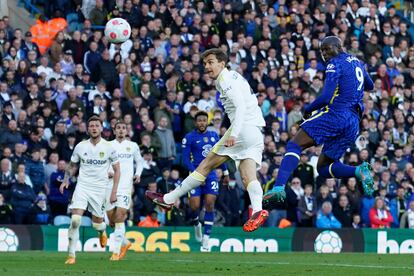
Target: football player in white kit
[(128, 154), (242, 142), (94, 156)]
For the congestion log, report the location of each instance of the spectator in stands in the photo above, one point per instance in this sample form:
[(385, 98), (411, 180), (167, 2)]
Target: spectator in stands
[(58, 201), (293, 194), (307, 207), (343, 211), (6, 178), (6, 212), (356, 221), (167, 152), (35, 170), (150, 221), (40, 211), (407, 219), (92, 57), (22, 199), (325, 218), (11, 136), (398, 206), (98, 14), (323, 196), (379, 216), (56, 50)]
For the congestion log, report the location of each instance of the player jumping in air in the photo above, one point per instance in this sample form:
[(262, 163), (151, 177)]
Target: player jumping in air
[(196, 146), (332, 120), (242, 142), (128, 153), (94, 156)]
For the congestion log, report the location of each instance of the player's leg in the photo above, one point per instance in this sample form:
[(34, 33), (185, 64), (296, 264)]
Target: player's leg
[(119, 234), (73, 234), (331, 168), (97, 205), (100, 226), (195, 211), (289, 163), (248, 168), (192, 181), (209, 201)]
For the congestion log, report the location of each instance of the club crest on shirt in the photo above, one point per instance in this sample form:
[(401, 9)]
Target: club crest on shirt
[(212, 139), (205, 139), (128, 149), (101, 154)]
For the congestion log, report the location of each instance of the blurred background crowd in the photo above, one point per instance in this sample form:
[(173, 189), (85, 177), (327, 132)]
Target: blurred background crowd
[(156, 84)]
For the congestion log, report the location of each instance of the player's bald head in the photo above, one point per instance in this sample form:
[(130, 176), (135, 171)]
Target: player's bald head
[(330, 47)]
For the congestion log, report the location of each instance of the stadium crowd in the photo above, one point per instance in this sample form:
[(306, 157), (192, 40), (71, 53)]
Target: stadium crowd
[(155, 83)]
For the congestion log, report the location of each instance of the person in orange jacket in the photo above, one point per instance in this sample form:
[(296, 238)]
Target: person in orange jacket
[(150, 221)]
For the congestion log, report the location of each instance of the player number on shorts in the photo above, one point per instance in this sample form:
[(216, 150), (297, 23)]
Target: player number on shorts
[(126, 200), (360, 77), (214, 185)]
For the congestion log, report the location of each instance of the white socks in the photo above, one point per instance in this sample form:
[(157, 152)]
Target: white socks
[(119, 235), (192, 181), (256, 194), (73, 234), (100, 227)]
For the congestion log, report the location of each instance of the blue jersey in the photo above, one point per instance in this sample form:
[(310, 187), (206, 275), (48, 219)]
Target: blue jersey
[(196, 146), (336, 112), (345, 82)]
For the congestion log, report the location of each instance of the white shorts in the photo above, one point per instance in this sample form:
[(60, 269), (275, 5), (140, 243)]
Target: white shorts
[(249, 145), (94, 202), (123, 200)]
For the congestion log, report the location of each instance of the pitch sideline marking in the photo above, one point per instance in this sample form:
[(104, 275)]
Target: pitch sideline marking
[(302, 264)]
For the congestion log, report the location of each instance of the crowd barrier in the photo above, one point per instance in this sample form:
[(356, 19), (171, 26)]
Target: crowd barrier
[(223, 239)]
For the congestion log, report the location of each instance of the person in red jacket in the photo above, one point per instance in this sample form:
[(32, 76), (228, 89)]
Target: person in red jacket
[(379, 216)]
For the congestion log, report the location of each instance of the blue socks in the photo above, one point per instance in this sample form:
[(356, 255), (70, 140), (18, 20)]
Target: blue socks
[(337, 170), (289, 163), (194, 218), (208, 222)]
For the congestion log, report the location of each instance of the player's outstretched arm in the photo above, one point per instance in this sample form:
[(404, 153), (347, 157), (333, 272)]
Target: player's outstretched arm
[(186, 145), (331, 84)]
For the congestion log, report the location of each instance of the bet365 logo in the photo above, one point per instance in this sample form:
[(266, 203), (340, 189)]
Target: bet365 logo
[(385, 245)]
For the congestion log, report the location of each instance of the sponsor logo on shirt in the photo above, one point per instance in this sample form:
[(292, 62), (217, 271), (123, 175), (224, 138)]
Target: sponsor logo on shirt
[(93, 161)]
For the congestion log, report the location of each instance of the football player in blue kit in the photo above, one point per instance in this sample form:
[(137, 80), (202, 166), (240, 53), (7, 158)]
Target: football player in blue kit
[(332, 120), (196, 145)]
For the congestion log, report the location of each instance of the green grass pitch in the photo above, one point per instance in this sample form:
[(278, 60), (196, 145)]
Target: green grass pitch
[(45, 263)]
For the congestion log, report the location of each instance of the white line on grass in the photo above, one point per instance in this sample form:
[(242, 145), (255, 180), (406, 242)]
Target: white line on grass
[(301, 264)]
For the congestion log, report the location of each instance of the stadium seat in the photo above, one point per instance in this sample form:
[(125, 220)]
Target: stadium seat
[(86, 221), (61, 220)]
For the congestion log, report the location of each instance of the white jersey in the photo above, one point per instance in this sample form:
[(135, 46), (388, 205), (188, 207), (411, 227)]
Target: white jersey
[(128, 152), (94, 163), (239, 102)]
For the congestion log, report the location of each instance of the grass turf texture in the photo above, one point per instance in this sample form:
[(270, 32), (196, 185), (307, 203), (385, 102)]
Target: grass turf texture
[(32, 263)]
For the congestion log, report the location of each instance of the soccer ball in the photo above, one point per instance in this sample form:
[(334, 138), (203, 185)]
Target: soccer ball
[(117, 30), (328, 242), (8, 240)]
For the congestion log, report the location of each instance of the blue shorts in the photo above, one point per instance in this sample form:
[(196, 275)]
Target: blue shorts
[(336, 131), (211, 187)]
